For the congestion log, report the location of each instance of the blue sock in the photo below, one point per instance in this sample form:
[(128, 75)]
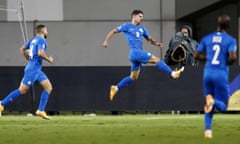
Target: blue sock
[(124, 82), (208, 120), (162, 66), (220, 105), (43, 101), (11, 96)]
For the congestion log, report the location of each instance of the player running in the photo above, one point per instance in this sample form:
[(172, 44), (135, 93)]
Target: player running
[(220, 50), (134, 32), (33, 71)]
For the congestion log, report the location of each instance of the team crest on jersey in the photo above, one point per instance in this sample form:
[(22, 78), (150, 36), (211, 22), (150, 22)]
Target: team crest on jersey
[(119, 27), (29, 82), (141, 30)]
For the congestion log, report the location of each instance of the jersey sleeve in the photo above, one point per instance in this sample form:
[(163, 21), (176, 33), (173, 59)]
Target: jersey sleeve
[(42, 45), (146, 33), (233, 46), (201, 47), (121, 28), (27, 44)]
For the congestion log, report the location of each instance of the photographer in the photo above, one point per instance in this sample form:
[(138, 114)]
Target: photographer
[(181, 48)]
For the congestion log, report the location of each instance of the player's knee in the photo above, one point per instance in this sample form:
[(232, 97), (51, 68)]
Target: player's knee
[(23, 91), (49, 89), (134, 77), (47, 86), (154, 60), (23, 88)]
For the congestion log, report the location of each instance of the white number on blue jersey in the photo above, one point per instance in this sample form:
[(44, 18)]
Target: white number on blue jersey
[(217, 49), (31, 51), (31, 48), (137, 34)]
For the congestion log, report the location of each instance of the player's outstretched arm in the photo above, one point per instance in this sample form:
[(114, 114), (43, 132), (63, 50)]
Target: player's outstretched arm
[(154, 42), (108, 37), (24, 52), (42, 54)]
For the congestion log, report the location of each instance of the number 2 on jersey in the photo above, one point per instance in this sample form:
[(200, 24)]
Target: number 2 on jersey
[(217, 49)]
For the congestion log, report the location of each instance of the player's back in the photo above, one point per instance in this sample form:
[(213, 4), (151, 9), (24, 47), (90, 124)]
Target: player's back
[(217, 46), (33, 45)]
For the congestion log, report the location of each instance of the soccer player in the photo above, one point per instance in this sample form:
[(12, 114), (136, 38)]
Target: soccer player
[(134, 32), (219, 51), (36, 48)]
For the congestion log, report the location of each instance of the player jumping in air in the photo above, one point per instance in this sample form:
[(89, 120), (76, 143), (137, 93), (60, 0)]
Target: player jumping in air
[(33, 71), (219, 51), (134, 32)]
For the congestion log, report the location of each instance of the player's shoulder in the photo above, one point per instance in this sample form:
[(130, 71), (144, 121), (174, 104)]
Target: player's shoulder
[(208, 37), (122, 26), (225, 35), (228, 36), (126, 24), (29, 41)]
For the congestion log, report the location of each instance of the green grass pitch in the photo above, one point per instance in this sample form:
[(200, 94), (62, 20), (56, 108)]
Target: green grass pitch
[(124, 129)]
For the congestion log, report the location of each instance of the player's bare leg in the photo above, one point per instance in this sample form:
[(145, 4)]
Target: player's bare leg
[(174, 74), (47, 86), (209, 103), (208, 115), (23, 89)]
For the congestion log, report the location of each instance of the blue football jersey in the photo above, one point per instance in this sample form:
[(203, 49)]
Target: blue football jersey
[(216, 46), (33, 45), (133, 34)]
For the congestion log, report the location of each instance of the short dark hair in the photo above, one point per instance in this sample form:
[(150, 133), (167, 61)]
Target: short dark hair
[(223, 22), (136, 12), (40, 27)]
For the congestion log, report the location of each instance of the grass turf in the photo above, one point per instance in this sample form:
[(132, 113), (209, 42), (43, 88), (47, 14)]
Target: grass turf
[(125, 129)]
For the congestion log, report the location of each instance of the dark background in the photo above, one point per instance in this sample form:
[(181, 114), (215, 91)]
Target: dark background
[(87, 89)]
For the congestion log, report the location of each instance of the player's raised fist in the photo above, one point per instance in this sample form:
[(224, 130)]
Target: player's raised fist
[(105, 44)]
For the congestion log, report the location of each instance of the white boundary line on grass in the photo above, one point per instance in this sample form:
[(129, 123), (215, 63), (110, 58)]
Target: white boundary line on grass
[(60, 125), (171, 117)]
